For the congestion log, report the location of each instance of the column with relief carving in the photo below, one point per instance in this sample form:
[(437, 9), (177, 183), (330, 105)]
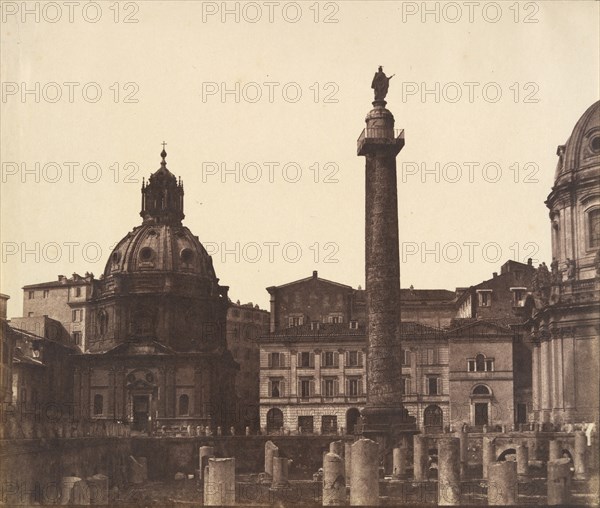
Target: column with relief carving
[(384, 417)]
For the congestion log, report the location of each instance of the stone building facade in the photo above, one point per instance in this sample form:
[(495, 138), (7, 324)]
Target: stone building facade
[(245, 323), (313, 362), (564, 320), (65, 300)]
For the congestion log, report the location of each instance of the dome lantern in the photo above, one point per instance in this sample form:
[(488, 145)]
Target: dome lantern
[(162, 196)]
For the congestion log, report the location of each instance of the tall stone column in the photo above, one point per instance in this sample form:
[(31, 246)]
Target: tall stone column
[(384, 418)]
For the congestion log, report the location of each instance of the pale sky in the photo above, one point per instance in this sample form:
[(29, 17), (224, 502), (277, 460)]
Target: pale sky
[(492, 91)]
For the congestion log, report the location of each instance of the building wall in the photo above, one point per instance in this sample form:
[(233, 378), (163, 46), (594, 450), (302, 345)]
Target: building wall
[(245, 323), (61, 301), (290, 373), (314, 299), (499, 380)]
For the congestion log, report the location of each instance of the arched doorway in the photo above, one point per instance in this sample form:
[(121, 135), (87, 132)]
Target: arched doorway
[(481, 396), (433, 419), (352, 416), (274, 420)]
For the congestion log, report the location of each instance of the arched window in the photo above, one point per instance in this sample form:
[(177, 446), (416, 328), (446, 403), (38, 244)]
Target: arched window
[(352, 416), (594, 228), (481, 390), (184, 405), (480, 363), (98, 404), (433, 418)]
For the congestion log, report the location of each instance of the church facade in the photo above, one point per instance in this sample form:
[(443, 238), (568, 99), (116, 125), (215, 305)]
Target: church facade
[(156, 350), (564, 317)]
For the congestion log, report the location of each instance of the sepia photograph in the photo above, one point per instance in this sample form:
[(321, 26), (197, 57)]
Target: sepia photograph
[(299, 253)]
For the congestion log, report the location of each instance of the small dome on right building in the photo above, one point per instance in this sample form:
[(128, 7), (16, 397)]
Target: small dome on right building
[(574, 201), (582, 150)]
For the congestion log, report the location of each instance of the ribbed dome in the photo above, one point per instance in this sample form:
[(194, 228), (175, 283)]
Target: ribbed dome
[(581, 153), (160, 247)]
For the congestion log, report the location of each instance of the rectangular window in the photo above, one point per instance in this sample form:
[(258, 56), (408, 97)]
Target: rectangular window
[(275, 388), (314, 325), (329, 424), (489, 365), (406, 357), (306, 424), (329, 388), (433, 385), (354, 325), (485, 298), (77, 291), (30, 314), (274, 360), (296, 321), (405, 386), (74, 315), (430, 356), (471, 365), (352, 358), (305, 388), (304, 359), (328, 359), (46, 293), (354, 387), (31, 295), (77, 338)]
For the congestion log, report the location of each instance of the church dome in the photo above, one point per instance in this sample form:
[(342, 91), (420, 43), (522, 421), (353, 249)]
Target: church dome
[(580, 156), (160, 247), (161, 243)]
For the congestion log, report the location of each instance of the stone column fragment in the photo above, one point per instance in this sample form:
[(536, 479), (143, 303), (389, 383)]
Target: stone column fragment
[(364, 479), (420, 458), (334, 481), (449, 471), (271, 450), (559, 482), (219, 489), (502, 483)]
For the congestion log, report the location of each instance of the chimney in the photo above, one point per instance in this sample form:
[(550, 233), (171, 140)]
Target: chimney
[(495, 274), (529, 262), (315, 274)]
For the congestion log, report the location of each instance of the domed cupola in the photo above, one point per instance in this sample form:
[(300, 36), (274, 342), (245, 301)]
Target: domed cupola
[(162, 197), (580, 155), (161, 242), (574, 202)]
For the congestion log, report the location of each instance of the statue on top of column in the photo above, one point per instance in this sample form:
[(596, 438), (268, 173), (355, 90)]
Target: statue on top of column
[(381, 84)]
